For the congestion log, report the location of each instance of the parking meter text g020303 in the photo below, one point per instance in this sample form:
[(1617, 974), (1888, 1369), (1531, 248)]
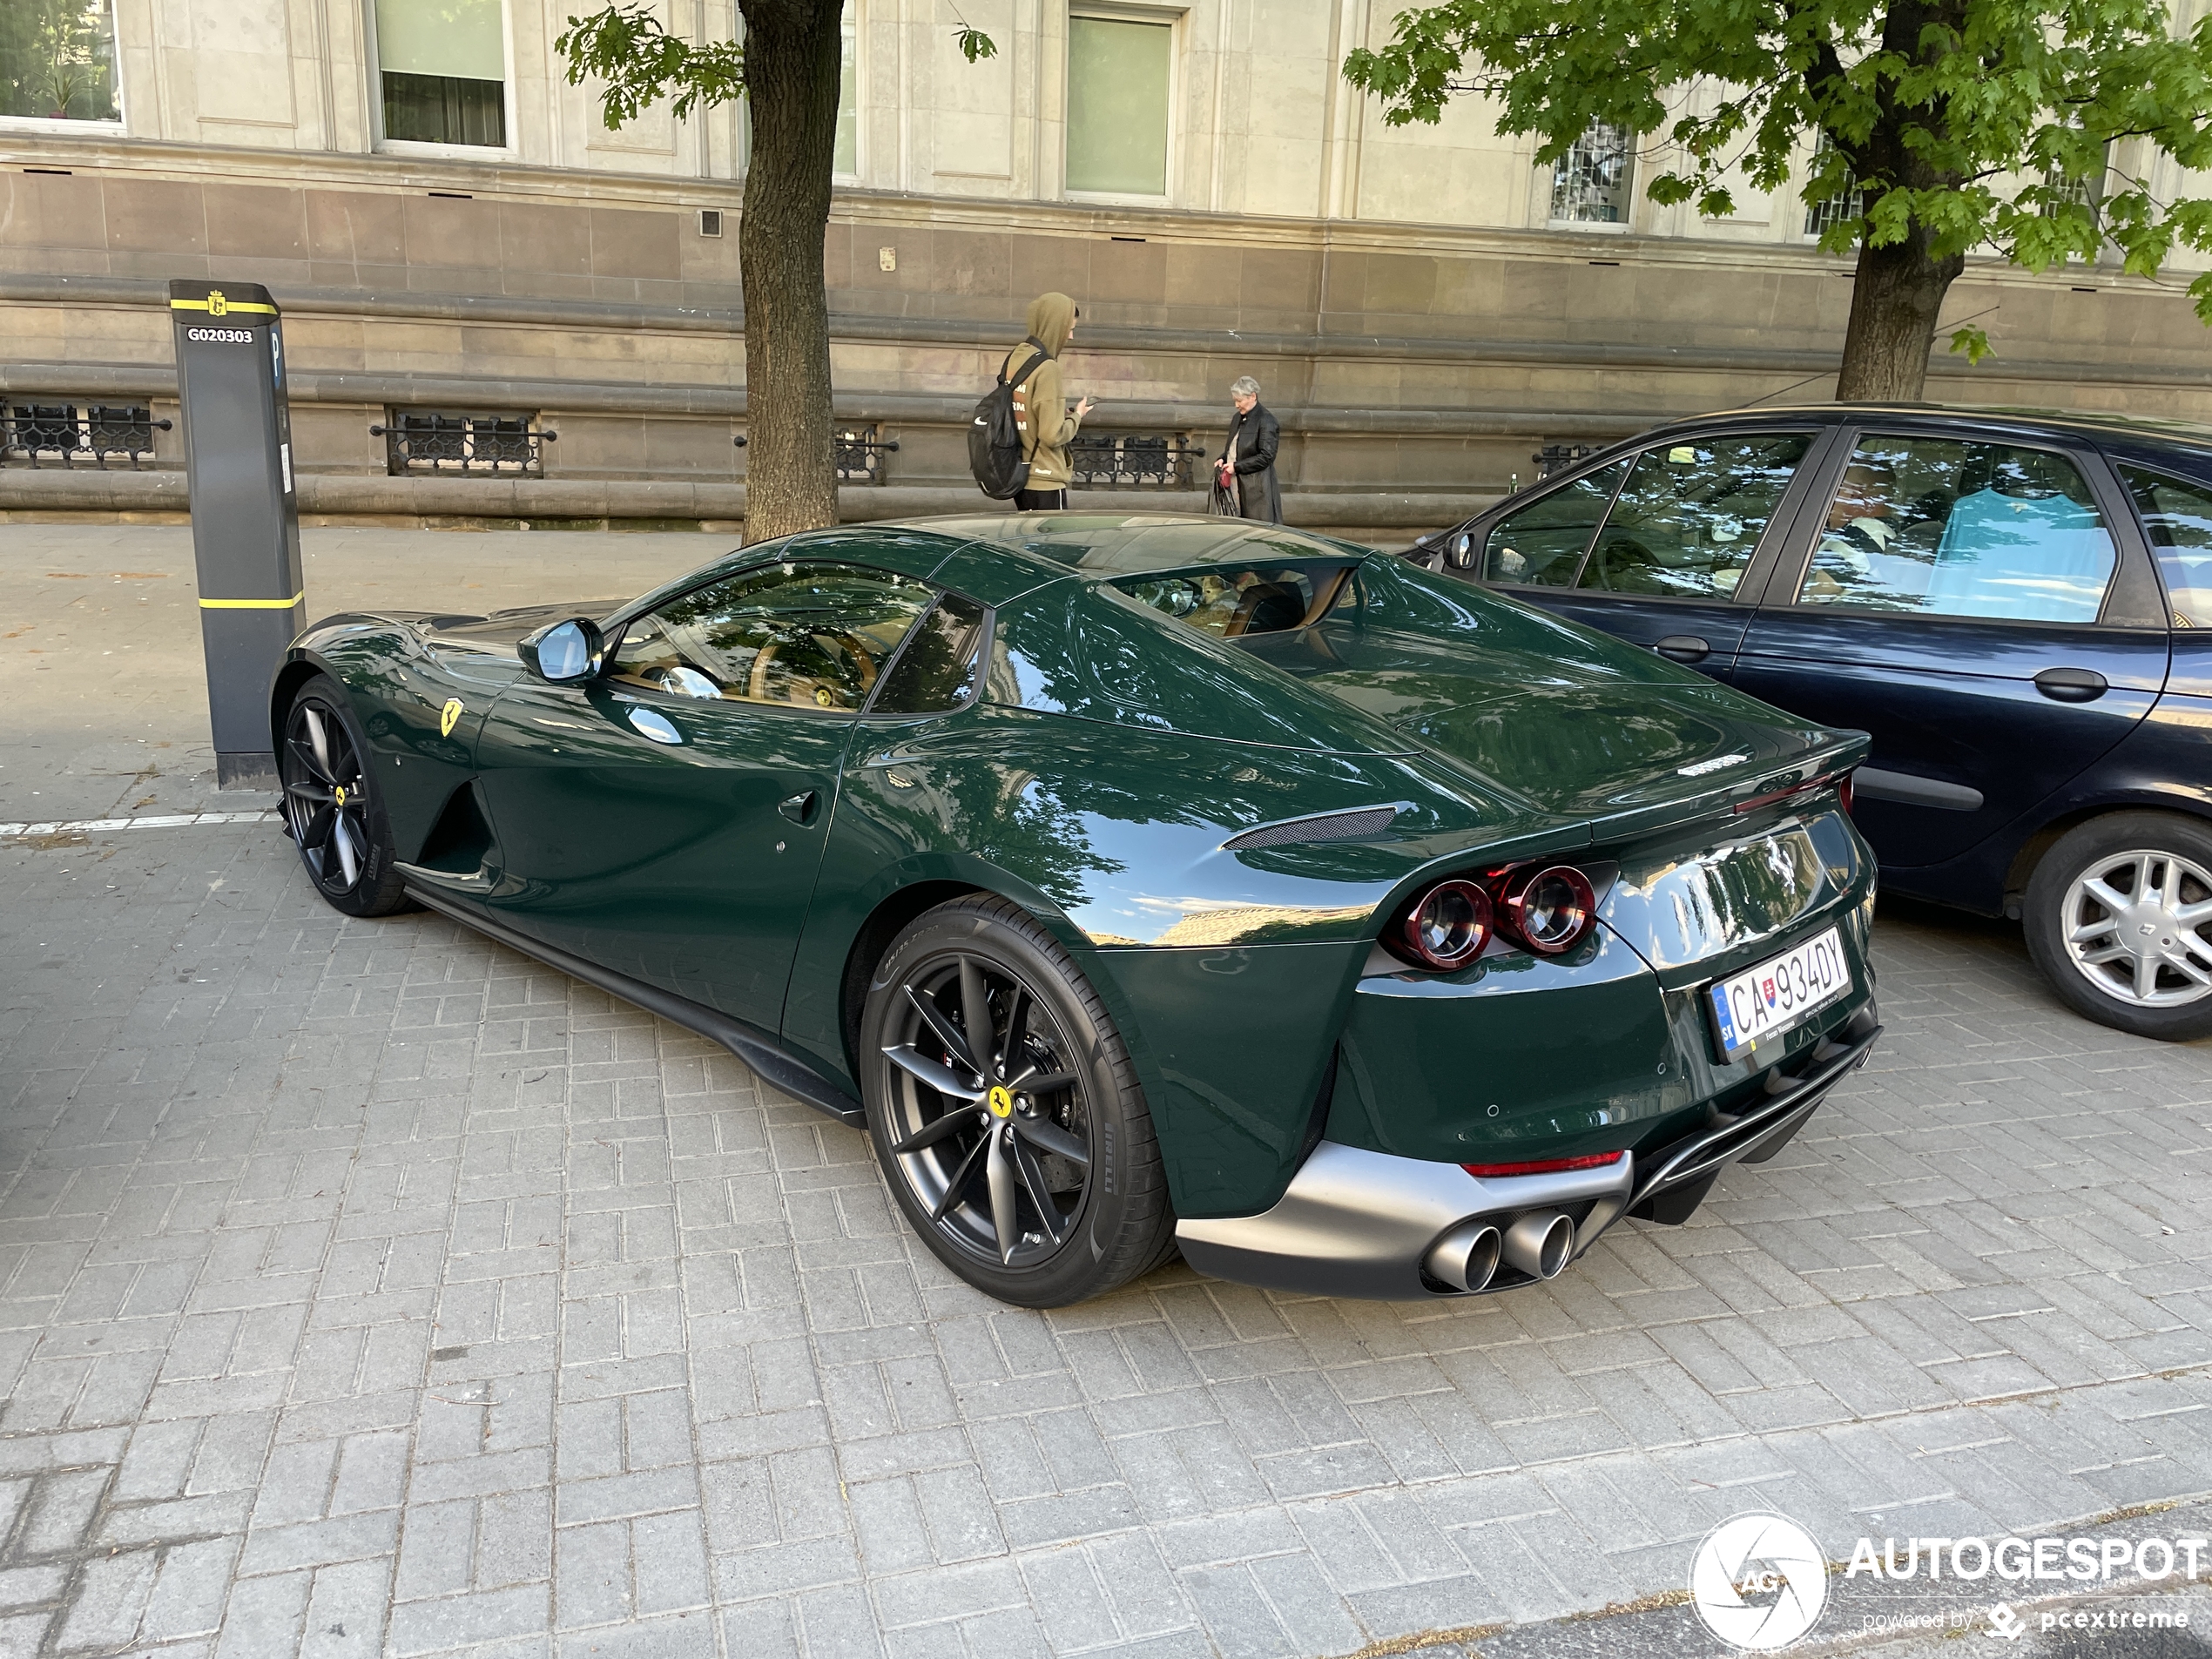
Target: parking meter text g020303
[(245, 514)]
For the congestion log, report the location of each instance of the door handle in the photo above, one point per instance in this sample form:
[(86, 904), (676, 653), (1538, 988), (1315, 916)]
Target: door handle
[(2072, 684), (799, 808), (1683, 648)]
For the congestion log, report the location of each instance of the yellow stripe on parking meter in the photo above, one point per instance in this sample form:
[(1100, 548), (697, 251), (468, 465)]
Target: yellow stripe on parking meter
[(254, 605)]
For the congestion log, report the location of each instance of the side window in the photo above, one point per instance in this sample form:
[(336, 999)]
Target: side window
[(1941, 528), (2179, 518), (797, 635), (937, 669), (1541, 545), (1687, 522)]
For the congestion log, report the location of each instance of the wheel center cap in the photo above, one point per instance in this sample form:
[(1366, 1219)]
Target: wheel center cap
[(340, 793), (2147, 930), (999, 1101)]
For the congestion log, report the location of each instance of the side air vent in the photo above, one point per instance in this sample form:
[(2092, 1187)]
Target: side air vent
[(1327, 826)]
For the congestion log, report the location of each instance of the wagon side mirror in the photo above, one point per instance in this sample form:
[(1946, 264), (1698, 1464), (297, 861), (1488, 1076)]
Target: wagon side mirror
[(565, 652)]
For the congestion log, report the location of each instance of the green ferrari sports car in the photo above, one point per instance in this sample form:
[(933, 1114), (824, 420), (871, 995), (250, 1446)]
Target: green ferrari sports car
[(1140, 883)]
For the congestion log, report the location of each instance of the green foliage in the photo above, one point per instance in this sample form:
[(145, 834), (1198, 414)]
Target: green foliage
[(58, 58), (1935, 110), (638, 63)]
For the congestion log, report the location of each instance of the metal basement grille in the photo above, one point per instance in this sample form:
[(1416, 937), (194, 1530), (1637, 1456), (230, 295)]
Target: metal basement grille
[(1330, 826), (66, 434)]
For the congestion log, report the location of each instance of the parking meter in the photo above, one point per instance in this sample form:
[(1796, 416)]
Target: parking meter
[(245, 516)]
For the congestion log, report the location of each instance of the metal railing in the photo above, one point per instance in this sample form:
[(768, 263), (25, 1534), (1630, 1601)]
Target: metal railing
[(860, 450), (67, 434), (1134, 461), (428, 441)]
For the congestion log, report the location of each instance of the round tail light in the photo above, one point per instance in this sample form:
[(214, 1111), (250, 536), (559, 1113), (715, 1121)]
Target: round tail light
[(1549, 910), (1844, 792), (1447, 927)]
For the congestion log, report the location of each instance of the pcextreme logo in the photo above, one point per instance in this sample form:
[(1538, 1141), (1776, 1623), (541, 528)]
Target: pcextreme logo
[(1758, 1581)]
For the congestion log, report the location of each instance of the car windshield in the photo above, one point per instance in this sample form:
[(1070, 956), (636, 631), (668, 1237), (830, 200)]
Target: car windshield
[(1235, 602)]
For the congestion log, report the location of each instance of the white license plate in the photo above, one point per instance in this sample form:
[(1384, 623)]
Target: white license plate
[(1781, 992)]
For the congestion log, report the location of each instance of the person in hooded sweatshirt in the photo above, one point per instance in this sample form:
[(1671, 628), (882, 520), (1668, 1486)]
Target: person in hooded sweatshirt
[(1041, 407)]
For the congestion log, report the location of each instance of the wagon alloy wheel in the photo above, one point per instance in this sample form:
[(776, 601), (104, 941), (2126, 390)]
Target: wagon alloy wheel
[(2118, 917), (2139, 925), (326, 798), (1005, 1110), (994, 1130), (331, 807)]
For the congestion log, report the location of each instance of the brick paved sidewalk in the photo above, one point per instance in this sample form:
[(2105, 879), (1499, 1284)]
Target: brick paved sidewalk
[(366, 1288)]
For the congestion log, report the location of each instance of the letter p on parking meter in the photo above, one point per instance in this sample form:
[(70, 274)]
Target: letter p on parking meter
[(245, 516)]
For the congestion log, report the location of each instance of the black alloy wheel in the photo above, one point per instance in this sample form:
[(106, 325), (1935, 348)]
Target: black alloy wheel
[(1005, 1112), (331, 808)]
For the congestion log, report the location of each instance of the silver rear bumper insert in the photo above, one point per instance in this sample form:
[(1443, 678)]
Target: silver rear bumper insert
[(1356, 1223)]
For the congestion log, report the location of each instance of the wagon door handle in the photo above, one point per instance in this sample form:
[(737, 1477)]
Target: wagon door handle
[(800, 808), (2072, 684), (1683, 648)]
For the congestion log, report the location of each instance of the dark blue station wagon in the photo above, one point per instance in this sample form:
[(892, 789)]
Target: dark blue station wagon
[(2017, 606)]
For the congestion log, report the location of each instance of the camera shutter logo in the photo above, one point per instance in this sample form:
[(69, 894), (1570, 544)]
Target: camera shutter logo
[(1758, 1581)]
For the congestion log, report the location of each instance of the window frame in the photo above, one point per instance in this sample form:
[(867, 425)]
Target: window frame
[(1176, 19), (119, 124), (373, 58), (2131, 567), (1620, 227), (852, 26), (619, 629)]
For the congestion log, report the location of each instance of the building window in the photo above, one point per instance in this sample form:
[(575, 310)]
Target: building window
[(1119, 92), (58, 59), (1590, 182), (860, 450), (1133, 459), (65, 434), (848, 165), (435, 441), (443, 64), (1821, 215)]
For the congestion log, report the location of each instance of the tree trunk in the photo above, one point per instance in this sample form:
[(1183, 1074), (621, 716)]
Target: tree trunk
[(792, 54), (1894, 301)]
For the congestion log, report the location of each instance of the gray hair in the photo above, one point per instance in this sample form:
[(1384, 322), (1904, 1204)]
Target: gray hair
[(1245, 386)]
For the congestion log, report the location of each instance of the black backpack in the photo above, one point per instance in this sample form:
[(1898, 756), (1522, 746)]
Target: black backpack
[(995, 440)]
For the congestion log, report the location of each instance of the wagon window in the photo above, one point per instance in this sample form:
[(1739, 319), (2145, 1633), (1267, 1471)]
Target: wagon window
[(811, 636), (1942, 528), (1541, 545), (1688, 520), (2179, 517)]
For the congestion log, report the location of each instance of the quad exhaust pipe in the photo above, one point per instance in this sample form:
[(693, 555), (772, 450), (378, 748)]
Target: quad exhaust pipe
[(1466, 1257), (1540, 1244)]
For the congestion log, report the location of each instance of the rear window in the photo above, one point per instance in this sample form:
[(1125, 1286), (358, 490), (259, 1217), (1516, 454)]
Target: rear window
[(1232, 602), (2179, 517)]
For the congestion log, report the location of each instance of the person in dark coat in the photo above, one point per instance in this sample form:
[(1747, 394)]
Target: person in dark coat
[(1245, 471)]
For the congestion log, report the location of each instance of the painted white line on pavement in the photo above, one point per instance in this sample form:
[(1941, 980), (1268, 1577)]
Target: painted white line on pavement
[(101, 826)]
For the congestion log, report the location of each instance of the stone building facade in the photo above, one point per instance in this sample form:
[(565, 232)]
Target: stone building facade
[(468, 261)]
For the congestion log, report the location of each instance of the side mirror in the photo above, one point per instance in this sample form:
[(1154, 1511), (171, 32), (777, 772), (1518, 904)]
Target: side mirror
[(565, 652), (1463, 550)]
